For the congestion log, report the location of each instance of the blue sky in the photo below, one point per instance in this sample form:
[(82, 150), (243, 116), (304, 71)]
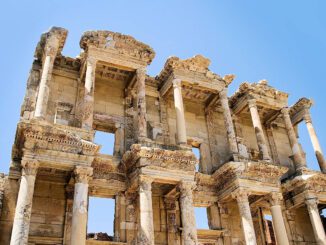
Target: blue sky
[(281, 41)]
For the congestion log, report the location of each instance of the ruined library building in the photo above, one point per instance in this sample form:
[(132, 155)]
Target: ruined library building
[(180, 144)]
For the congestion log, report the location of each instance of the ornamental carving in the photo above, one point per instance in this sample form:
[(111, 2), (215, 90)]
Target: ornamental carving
[(83, 174), (29, 166), (122, 44), (57, 140)]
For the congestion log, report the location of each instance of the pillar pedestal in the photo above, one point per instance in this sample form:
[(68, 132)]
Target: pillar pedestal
[(298, 159), (246, 219), (261, 141), (189, 229), (80, 206), (179, 110), (315, 220), (278, 221), (20, 229)]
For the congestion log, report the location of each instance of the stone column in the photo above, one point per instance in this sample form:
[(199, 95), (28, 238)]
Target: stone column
[(44, 91), (179, 110), (315, 142), (146, 224), (278, 221), (68, 215), (189, 229), (87, 108), (20, 229), (299, 161), (261, 141), (246, 219), (315, 220), (117, 218), (228, 122), (141, 103), (80, 206)]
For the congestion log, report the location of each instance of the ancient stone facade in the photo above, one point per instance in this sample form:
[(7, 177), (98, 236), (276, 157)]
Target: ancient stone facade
[(251, 163)]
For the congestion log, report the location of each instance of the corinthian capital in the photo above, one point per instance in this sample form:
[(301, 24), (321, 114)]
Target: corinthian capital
[(275, 198), (91, 61), (285, 111), (30, 166), (83, 174), (186, 188), (240, 195), (176, 83), (312, 203), (141, 73), (223, 93), (145, 183), (252, 103)]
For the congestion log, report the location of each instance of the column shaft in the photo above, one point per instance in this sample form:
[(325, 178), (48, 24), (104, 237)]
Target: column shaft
[(315, 142), (141, 103), (146, 223), (20, 229), (80, 206), (316, 222), (189, 229), (298, 159), (246, 218), (228, 122), (179, 110), (43, 92), (88, 100), (261, 141)]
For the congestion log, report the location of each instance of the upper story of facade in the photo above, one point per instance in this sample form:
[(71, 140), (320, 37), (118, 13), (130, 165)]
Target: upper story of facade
[(186, 105)]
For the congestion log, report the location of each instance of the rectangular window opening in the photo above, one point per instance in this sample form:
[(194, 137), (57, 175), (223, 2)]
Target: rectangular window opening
[(201, 218), (106, 140), (195, 150), (100, 219)]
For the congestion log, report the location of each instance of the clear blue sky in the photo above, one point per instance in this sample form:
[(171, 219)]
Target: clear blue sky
[(281, 41)]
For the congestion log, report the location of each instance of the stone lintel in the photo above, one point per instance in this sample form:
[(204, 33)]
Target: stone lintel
[(297, 111)]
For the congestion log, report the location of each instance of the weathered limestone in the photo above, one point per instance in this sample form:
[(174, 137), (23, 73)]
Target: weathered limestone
[(278, 221), (88, 100), (146, 223), (315, 220), (152, 172), (79, 213), (241, 197), (23, 210), (189, 231), (296, 151), (179, 110), (261, 141), (141, 103), (228, 122), (314, 141)]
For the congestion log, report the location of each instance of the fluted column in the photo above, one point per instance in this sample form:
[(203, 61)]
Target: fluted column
[(278, 221), (141, 103), (261, 141), (317, 225), (20, 229), (246, 219), (189, 229), (228, 122), (44, 90), (179, 110), (315, 141), (87, 108), (80, 206), (146, 224), (298, 159)]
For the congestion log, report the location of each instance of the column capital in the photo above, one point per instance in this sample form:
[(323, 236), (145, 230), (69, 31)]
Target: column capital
[(285, 111), (83, 174), (240, 195), (307, 116), (30, 166), (275, 198), (91, 61), (141, 71), (186, 187), (176, 82), (252, 102), (312, 203), (145, 183), (223, 93)]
